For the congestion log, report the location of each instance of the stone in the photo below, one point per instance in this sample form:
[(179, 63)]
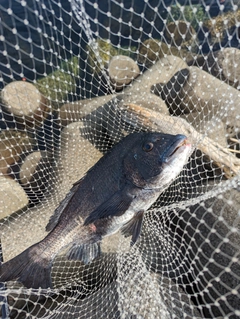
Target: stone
[(12, 197), (179, 303), (229, 64), (122, 70), (36, 175), (102, 303), (180, 33), (138, 92), (171, 91), (77, 155), (29, 166), (219, 33), (74, 112), (223, 64), (148, 100), (13, 144), (56, 86), (107, 304), (103, 122), (109, 123), (100, 52), (207, 95), (160, 72), (24, 101), (151, 50)]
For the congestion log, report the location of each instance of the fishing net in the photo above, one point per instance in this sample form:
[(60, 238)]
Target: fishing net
[(76, 77)]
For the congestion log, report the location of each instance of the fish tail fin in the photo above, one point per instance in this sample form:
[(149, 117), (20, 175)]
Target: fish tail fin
[(29, 268)]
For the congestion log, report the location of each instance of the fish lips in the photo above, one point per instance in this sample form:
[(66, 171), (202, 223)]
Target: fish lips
[(177, 147)]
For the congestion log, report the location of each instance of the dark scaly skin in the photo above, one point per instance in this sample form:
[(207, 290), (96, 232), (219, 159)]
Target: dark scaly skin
[(112, 195)]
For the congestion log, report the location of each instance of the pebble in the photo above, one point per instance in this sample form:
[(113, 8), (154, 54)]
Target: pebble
[(122, 71)]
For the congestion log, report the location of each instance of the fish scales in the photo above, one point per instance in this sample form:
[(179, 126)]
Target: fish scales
[(113, 195)]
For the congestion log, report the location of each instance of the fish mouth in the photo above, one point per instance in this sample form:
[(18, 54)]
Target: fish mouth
[(177, 147)]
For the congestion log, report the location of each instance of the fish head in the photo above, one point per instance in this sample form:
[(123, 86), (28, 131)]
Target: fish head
[(157, 159)]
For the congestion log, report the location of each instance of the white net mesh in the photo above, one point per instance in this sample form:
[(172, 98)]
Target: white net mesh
[(77, 76)]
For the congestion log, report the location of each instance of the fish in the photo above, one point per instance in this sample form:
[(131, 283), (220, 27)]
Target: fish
[(113, 195)]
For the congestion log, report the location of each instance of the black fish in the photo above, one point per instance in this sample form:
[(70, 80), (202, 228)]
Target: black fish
[(112, 195)]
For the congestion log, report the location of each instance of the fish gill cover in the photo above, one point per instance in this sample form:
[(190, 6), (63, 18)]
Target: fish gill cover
[(98, 217)]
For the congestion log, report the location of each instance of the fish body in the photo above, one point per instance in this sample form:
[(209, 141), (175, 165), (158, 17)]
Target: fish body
[(113, 195)]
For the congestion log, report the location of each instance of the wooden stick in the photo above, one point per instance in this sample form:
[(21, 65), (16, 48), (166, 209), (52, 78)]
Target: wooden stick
[(220, 156)]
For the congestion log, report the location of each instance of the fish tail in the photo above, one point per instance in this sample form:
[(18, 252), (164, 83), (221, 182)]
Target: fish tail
[(29, 268)]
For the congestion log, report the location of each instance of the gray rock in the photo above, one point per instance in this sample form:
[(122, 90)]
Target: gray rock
[(213, 237), (171, 91), (29, 166), (101, 295), (122, 71), (107, 124)]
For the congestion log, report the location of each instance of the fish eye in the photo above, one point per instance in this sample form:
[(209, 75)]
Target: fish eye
[(148, 147)]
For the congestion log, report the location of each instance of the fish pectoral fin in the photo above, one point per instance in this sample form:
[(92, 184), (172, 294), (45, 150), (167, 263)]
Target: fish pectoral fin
[(84, 252), (114, 206), (133, 227)]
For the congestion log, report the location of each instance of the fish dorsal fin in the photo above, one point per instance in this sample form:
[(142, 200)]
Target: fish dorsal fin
[(59, 210), (116, 205), (133, 227)]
